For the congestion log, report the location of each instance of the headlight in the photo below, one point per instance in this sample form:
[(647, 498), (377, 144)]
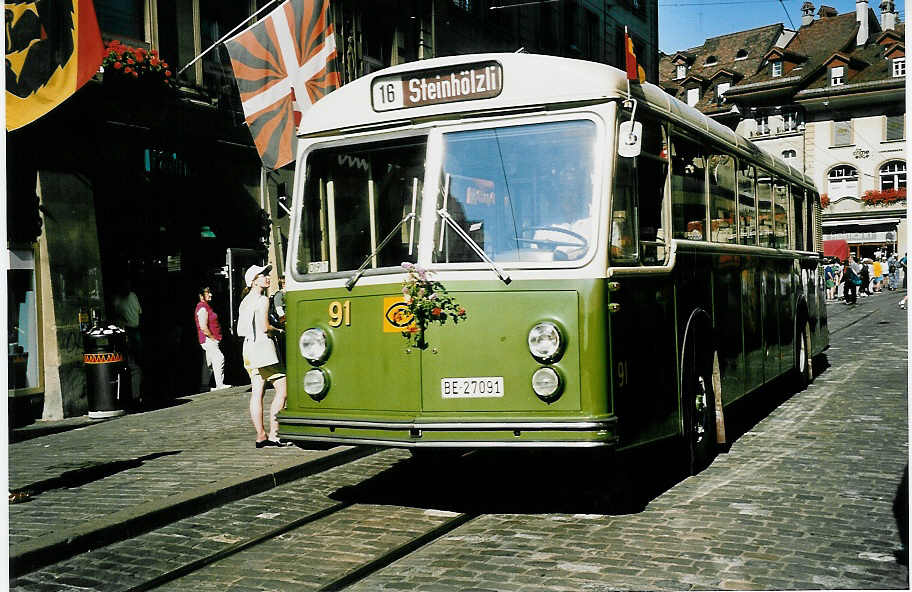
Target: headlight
[(545, 343), (547, 383), (316, 383), (314, 346)]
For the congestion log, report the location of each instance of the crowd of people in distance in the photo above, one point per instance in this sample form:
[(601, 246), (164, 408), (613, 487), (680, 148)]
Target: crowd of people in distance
[(850, 279)]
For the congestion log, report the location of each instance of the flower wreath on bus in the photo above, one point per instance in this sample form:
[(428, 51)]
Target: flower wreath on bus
[(427, 302)]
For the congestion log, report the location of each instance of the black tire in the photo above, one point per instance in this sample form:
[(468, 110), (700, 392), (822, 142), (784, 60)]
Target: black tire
[(804, 370), (699, 409)]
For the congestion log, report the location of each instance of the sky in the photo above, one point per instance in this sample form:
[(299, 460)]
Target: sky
[(684, 24)]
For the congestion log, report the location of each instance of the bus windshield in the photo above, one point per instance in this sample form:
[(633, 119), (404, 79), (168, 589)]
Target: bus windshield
[(356, 196), (523, 193)]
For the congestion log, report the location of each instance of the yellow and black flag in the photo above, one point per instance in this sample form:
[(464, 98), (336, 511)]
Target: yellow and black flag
[(53, 47), (283, 64)]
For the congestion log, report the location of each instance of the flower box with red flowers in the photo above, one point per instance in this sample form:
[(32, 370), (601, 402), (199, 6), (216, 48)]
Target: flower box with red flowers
[(125, 63), (885, 197)]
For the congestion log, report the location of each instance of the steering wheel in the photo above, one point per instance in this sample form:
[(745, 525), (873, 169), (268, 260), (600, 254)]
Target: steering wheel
[(582, 243)]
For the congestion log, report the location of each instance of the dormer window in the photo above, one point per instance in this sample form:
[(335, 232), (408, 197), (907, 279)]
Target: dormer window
[(711, 61), (680, 72), (720, 90), (776, 68), (899, 67), (741, 55), (837, 76), (693, 95)]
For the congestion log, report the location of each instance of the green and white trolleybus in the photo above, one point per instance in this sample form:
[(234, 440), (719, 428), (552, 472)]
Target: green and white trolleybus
[(628, 267)]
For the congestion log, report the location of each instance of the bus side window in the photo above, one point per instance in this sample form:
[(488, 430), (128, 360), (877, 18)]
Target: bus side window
[(747, 206), (799, 212), (638, 197), (781, 217), (722, 198), (765, 208), (688, 190)]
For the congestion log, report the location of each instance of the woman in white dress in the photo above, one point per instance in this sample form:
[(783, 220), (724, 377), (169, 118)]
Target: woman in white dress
[(253, 326)]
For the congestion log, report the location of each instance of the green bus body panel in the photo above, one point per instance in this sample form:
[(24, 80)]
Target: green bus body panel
[(375, 376)]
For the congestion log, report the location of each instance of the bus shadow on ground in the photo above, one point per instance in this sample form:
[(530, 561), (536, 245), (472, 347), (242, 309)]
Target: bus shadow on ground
[(522, 482)]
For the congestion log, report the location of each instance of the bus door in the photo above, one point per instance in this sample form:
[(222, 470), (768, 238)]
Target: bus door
[(752, 322), (770, 275)]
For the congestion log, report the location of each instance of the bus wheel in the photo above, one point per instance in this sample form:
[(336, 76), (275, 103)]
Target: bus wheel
[(804, 369), (699, 411)]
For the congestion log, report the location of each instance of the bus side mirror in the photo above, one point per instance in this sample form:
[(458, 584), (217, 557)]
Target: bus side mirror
[(630, 139), (282, 200)]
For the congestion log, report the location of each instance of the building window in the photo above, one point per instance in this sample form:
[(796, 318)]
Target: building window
[(896, 127), (23, 326), (741, 55), (711, 61), (837, 76), (693, 95), (842, 181), (899, 67), (776, 68), (680, 71), (790, 121), (842, 132), (122, 18), (720, 90), (763, 126), (893, 175), (789, 154)]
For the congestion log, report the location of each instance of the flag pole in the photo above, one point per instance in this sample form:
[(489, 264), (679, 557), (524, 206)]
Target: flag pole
[(225, 36), (626, 51)]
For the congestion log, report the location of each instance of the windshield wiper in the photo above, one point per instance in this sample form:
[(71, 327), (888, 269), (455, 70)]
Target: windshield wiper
[(357, 275), (504, 276)]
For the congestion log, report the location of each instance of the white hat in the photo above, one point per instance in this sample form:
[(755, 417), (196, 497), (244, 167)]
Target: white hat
[(255, 270)]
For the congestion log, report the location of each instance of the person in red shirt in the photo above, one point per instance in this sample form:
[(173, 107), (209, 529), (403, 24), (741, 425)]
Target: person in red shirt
[(210, 334)]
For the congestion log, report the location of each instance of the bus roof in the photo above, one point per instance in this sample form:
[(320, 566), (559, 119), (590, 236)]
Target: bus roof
[(528, 81)]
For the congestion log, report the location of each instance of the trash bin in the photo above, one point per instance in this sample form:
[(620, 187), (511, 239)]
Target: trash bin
[(107, 375)]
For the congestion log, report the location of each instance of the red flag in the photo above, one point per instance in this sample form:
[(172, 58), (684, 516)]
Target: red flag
[(52, 49), (283, 64), (634, 71)]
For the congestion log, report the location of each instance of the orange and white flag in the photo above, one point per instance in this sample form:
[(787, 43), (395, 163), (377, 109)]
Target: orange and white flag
[(634, 70), (52, 49), (283, 64)]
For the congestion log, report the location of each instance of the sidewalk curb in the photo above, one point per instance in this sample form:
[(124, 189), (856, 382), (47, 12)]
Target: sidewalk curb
[(131, 522)]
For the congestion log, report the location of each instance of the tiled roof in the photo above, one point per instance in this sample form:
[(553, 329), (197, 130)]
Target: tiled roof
[(818, 40), (725, 49)]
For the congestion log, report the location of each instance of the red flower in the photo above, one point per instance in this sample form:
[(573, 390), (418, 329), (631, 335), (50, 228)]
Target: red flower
[(127, 70), (154, 61), (118, 65), (154, 52), (413, 329), (130, 61), (164, 64), (461, 312), (167, 73), (435, 312), (135, 74)]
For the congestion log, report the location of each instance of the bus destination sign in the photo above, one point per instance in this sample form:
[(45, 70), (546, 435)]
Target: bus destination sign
[(463, 82)]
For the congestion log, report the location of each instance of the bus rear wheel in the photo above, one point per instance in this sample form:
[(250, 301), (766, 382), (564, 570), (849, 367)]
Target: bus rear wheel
[(699, 400)]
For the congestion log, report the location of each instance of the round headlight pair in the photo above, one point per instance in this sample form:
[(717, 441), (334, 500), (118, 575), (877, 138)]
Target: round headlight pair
[(314, 346), (546, 343)]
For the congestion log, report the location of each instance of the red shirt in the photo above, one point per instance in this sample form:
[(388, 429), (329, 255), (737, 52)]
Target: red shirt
[(213, 323)]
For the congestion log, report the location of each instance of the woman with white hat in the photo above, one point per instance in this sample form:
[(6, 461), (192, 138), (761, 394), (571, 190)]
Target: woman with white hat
[(260, 358)]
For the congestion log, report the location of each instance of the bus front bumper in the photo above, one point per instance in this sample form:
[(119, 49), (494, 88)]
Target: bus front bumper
[(452, 434)]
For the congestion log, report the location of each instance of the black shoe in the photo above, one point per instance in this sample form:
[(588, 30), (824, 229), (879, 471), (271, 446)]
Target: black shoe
[(266, 443)]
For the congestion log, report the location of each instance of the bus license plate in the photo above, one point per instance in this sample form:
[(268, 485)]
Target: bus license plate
[(474, 387)]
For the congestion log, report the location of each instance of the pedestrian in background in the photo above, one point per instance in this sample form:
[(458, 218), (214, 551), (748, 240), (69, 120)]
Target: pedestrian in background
[(876, 275), (891, 268), (210, 336), (864, 273), (902, 269), (260, 357), (127, 314), (850, 281), (829, 274)]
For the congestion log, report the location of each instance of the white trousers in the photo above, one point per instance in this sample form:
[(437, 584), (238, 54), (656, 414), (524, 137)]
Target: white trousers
[(216, 359)]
